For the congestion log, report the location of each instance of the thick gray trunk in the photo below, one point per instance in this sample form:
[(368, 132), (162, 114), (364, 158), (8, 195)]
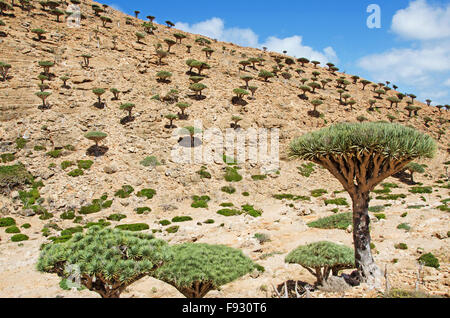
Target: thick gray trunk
[(367, 269)]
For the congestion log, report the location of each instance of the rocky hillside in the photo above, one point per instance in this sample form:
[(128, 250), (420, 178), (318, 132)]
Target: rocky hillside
[(49, 140)]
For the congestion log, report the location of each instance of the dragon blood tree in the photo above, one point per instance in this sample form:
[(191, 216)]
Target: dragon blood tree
[(360, 156), (105, 260), (196, 269)]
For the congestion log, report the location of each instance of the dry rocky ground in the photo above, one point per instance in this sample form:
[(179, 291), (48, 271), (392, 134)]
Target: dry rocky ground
[(131, 68)]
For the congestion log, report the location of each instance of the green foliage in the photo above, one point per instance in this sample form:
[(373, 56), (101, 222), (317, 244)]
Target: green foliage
[(7, 157), (324, 255), (391, 197), (336, 221), (421, 190), (26, 226), (401, 246), (179, 219), (318, 192), (306, 169), (116, 217), (114, 257), (143, 210), (377, 208), (66, 164), (203, 173), (19, 238), (259, 177), (172, 229), (14, 176), (150, 161), (402, 293), (250, 210), (392, 140), (146, 193), (125, 192), (85, 164), (55, 153), (229, 212), (165, 222), (12, 229), (228, 189), (209, 265), (136, 227), (232, 174), (76, 173), (380, 216), (337, 201), (404, 226), (429, 260), (200, 202)]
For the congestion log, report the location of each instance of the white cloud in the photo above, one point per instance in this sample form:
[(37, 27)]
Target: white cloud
[(421, 21), (424, 66), (447, 82), (294, 46), (215, 28)]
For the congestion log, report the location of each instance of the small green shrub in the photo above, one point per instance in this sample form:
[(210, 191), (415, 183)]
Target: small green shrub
[(421, 190), (401, 246), (133, 227), (306, 169), (143, 210), (26, 226), (391, 197), (337, 201), (147, 193), (76, 173), (200, 201), (429, 260), (229, 212), (318, 192), (55, 153), (232, 175), (228, 189), (380, 216), (7, 157), (377, 208), (165, 222), (116, 217), (173, 229), (226, 204), (85, 164), (12, 229), (66, 164), (258, 177), (19, 238), (7, 221), (209, 221), (404, 226), (262, 237), (203, 173), (250, 210), (125, 192), (150, 161), (322, 259), (179, 219), (336, 221)]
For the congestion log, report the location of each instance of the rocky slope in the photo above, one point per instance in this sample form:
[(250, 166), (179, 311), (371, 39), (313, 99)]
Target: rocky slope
[(131, 67)]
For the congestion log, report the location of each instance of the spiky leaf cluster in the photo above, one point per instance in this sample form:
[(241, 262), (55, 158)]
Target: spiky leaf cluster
[(321, 254), (391, 140), (214, 264), (108, 254)]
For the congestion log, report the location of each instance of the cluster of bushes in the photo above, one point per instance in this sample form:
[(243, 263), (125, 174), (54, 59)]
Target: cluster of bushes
[(194, 269)]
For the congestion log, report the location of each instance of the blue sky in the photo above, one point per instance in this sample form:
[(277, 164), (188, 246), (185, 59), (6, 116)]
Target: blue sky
[(411, 49)]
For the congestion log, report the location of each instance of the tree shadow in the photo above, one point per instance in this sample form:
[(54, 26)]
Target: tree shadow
[(290, 286), (197, 97), (314, 113), (168, 126), (182, 116), (303, 97), (46, 107), (163, 81), (234, 126), (97, 151), (3, 34), (187, 142), (238, 101), (127, 119), (100, 105), (404, 177)]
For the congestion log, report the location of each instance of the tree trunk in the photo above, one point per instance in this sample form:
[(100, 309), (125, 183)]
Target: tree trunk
[(367, 269)]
